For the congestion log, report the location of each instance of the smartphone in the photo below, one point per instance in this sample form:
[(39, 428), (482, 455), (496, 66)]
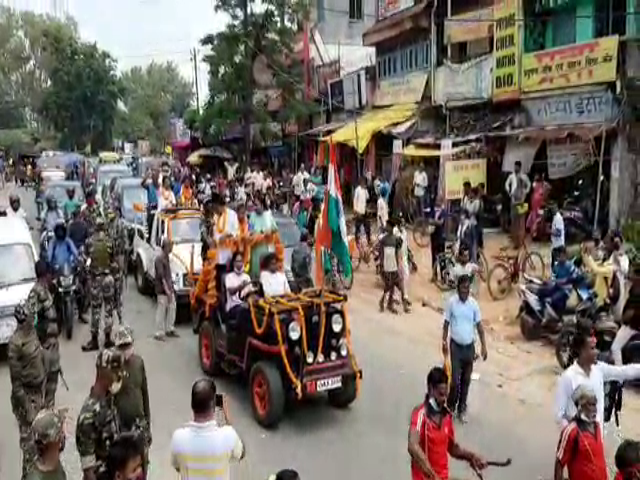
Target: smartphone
[(219, 400)]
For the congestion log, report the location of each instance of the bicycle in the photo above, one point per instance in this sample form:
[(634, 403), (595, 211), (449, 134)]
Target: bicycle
[(509, 268), (363, 251)]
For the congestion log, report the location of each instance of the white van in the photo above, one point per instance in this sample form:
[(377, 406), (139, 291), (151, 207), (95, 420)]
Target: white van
[(18, 275)]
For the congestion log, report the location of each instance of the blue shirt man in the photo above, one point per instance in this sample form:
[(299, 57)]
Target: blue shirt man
[(463, 317), (62, 251)]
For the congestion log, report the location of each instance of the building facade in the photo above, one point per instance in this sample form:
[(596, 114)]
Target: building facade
[(343, 21)]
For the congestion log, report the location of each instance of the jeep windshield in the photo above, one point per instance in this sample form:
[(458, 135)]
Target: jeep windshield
[(20, 257), (131, 196), (185, 229)]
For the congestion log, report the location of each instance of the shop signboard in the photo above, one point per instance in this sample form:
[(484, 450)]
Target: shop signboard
[(457, 172), (469, 26), (566, 157), (405, 89), (506, 50), (587, 63), (470, 81), (571, 108), (386, 8)]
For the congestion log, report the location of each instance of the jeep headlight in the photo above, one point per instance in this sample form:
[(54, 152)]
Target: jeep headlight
[(294, 330), (344, 350), (337, 323)]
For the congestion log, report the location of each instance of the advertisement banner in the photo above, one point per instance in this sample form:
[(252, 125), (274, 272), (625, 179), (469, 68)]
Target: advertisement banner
[(386, 8), (571, 109), (406, 89), (595, 61), (506, 50), (469, 81), (457, 172), (566, 158)]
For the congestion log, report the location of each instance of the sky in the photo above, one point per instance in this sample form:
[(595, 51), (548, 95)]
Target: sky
[(136, 32)]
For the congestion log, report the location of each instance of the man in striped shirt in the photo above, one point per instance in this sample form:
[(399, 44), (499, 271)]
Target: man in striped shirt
[(203, 450)]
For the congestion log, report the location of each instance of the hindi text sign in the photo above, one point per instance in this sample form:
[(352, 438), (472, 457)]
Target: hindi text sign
[(571, 109), (457, 172), (566, 158), (506, 50), (595, 61)]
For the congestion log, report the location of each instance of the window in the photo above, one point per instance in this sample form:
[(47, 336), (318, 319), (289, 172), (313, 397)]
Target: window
[(355, 10), (404, 60), (320, 10), (563, 28)]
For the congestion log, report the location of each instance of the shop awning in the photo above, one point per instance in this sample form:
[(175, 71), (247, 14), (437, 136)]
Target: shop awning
[(402, 130), (370, 123), (322, 129), (417, 151)]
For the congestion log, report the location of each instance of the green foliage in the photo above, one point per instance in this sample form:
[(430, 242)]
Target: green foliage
[(151, 96), (272, 29), (25, 65), (81, 99)]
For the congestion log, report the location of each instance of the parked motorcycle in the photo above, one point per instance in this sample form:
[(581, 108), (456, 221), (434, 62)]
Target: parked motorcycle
[(537, 318), (577, 226), (65, 299)]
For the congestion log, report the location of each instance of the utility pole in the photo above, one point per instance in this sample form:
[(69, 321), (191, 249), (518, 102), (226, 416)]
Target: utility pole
[(248, 94), (194, 56)]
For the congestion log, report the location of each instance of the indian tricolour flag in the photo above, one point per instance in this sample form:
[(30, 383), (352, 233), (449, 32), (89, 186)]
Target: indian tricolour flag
[(331, 232)]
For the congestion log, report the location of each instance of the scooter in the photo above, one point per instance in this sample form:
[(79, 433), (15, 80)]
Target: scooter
[(537, 318), (65, 299)]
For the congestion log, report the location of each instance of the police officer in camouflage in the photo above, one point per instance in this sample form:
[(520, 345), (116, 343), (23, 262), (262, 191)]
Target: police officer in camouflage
[(42, 313), (98, 426), (91, 212), (132, 401), (27, 369), (102, 264), (118, 235), (49, 439)]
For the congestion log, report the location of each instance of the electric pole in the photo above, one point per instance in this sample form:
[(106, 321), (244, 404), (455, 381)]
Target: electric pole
[(248, 94), (194, 56)]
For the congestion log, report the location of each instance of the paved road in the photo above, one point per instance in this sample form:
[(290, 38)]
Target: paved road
[(368, 441)]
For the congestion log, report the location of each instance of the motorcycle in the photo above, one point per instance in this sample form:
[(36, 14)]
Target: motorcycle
[(65, 298), (537, 318), (577, 226)]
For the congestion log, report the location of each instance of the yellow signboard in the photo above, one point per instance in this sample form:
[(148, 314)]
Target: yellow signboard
[(457, 172), (406, 89), (586, 63), (506, 50)]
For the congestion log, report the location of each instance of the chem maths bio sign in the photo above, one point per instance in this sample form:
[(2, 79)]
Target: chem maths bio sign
[(506, 50)]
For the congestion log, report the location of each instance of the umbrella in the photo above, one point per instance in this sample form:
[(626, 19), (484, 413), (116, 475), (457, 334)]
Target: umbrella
[(197, 157)]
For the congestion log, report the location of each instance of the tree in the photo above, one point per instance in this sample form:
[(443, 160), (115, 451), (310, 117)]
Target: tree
[(271, 33), (152, 96), (81, 99), (25, 65)]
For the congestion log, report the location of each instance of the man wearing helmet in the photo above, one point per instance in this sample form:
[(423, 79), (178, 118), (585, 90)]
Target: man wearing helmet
[(16, 210), (28, 373), (49, 439), (100, 252), (52, 215), (62, 250)]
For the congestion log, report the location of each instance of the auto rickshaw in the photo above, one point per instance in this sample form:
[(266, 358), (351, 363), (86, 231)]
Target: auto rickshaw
[(294, 345)]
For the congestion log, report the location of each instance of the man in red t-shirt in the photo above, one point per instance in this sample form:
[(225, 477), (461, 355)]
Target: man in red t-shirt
[(431, 434), (628, 460), (581, 448)]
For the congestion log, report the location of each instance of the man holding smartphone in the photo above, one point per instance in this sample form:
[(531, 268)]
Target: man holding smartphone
[(214, 446)]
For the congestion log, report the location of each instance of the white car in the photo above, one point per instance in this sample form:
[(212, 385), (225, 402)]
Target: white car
[(17, 251), (182, 226)]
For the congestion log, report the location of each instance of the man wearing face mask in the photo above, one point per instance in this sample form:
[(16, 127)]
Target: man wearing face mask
[(49, 438), (132, 401), (27, 369), (98, 425), (581, 448)]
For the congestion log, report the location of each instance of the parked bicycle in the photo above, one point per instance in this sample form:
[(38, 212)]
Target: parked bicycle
[(509, 267)]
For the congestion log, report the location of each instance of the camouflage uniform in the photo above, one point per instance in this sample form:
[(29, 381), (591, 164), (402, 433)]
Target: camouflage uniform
[(118, 235), (47, 428), (97, 426), (99, 250), (132, 401), (91, 215), (42, 312), (28, 376)]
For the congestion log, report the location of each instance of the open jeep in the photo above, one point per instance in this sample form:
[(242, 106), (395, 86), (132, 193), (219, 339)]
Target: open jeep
[(290, 346)]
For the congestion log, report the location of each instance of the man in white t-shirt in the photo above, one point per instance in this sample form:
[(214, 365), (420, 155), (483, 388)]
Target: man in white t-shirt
[(274, 282), (360, 199), (557, 233), (420, 184), (202, 449), (298, 181)]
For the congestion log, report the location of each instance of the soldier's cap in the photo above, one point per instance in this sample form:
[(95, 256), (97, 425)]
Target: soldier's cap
[(109, 358), (48, 426), (123, 336)]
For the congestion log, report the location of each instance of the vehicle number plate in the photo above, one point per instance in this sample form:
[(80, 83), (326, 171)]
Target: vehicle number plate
[(328, 384)]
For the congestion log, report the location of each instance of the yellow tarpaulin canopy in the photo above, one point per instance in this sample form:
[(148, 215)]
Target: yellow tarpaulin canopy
[(371, 123), (417, 151)]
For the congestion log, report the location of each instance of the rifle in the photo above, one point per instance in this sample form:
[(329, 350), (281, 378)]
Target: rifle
[(64, 382)]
